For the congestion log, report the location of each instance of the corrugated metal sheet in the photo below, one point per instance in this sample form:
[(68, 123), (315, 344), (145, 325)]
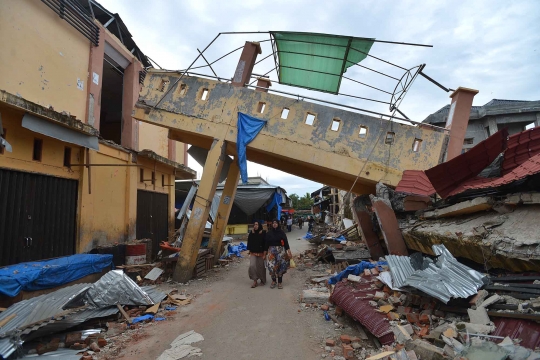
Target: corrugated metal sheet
[(449, 175), (354, 300), (44, 315), (401, 269), (520, 148), (415, 182), (445, 279)]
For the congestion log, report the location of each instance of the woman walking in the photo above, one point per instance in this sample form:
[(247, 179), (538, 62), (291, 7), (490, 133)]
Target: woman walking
[(279, 254), (257, 253)]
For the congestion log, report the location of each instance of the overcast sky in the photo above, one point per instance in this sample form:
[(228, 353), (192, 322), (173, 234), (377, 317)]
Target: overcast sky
[(492, 46)]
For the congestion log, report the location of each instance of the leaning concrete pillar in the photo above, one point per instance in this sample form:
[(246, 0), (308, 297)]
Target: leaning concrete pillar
[(458, 119), (365, 226), (242, 75), (199, 213), (389, 227), (224, 209)]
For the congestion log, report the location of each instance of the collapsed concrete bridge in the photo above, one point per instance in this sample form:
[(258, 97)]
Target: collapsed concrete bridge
[(340, 148)]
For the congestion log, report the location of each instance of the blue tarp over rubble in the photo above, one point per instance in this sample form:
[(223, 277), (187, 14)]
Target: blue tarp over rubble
[(39, 275), (248, 128), (355, 270)]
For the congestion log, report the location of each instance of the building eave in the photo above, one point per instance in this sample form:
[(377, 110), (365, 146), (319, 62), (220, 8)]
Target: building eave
[(149, 154), (19, 103)]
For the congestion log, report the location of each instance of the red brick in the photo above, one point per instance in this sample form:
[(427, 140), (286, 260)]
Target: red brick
[(348, 352), (94, 347), (339, 311), (424, 319), (403, 310), (78, 346), (102, 342), (412, 318), (73, 338), (330, 342), (345, 339), (423, 331), (324, 307)]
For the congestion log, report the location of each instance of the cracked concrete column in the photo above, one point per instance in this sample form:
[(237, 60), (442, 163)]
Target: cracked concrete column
[(458, 119), (224, 209), (199, 214)]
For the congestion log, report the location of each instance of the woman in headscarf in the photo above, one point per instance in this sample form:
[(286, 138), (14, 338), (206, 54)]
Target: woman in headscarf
[(279, 254), (257, 253)]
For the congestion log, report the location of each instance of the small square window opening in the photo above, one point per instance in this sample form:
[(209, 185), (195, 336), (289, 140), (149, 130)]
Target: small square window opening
[(163, 85), (335, 125), (389, 139), (38, 148), (183, 89), (310, 119), (416, 145), (284, 113), (363, 132), (67, 157), (204, 95), (260, 107), (4, 136), (468, 141)]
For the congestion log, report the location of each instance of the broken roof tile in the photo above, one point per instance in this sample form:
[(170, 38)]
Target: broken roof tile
[(448, 176), (415, 182)]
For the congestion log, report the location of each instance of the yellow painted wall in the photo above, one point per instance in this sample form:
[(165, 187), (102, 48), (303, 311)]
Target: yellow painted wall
[(180, 151), (155, 138), (22, 142), (42, 57), (103, 212)]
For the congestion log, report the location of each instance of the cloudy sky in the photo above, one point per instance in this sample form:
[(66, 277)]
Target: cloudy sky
[(489, 45)]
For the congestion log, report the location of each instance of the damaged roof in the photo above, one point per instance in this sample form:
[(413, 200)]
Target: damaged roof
[(415, 182), (448, 176)]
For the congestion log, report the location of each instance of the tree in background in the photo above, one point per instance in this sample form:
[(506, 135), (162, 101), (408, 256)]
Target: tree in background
[(295, 198), (301, 203)]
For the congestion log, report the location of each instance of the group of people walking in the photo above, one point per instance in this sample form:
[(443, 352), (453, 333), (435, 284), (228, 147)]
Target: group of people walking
[(268, 250)]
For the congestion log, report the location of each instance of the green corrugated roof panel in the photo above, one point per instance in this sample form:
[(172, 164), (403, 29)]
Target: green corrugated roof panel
[(317, 61)]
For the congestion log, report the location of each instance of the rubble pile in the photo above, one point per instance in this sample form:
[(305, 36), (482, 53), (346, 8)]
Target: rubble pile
[(83, 319)]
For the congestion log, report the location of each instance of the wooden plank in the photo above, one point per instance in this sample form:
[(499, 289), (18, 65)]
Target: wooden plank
[(124, 314), (7, 319)]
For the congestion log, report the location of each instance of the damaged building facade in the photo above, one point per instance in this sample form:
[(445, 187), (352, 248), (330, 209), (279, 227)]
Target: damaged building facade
[(77, 171)]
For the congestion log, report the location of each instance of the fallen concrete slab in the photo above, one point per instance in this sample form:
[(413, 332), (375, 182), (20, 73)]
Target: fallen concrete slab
[(463, 208)]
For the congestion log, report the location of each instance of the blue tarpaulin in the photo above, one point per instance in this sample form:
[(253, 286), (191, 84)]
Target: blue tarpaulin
[(309, 236), (355, 270), (276, 201), (39, 275), (248, 128), (236, 249)]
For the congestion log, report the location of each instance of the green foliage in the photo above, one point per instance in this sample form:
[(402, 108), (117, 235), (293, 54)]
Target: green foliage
[(301, 203)]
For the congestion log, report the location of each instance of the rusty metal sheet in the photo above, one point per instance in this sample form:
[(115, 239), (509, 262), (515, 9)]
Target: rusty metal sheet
[(390, 228), (449, 175)]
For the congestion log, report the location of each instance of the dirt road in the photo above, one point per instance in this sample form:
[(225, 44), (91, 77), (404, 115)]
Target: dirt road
[(239, 322)]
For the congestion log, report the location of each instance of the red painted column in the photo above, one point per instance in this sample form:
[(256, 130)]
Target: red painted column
[(245, 65), (264, 83), (458, 119)]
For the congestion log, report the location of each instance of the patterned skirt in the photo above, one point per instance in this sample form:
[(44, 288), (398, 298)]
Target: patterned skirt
[(277, 261)]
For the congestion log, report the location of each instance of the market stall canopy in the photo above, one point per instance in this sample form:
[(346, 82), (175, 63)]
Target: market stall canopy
[(317, 61)]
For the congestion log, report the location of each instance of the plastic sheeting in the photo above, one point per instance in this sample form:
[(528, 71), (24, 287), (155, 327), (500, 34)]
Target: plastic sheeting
[(276, 201), (39, 275), (248, 128), (252, 199), (355, 270), (236, 249)]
